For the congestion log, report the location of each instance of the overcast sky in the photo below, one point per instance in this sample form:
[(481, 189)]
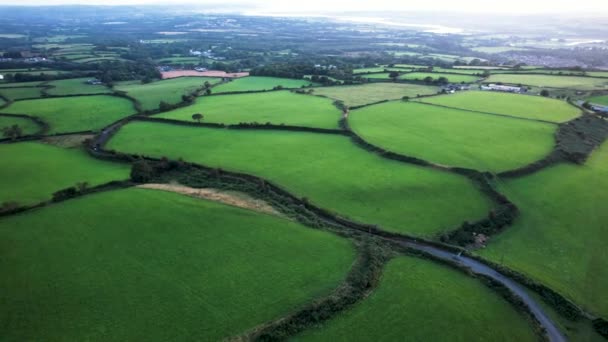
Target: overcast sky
[(285, 6)]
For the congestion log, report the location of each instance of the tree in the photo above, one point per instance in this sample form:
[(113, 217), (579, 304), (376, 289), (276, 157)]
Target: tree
[(208, 91), (197, 117), (442, 80), (12, 132), (142, 171), (393, 75), (428, 79), (207, 84), (544, 93)]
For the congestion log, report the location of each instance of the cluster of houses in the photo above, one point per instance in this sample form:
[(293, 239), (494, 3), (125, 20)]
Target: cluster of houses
[(505, 88), (94, 81), (206, 54), (454, 87)]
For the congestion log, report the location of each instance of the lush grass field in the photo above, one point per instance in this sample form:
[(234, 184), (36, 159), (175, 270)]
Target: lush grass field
[(380, 75), (147, 265), (329, 170), (73, 114), (170, 91), (497, 49), (76, 86), (560, 236), (573, 82), (376, 70), (33, 171), (259, 83), (597, 73), (453, 137), (277, 107), (20, 93), (28, 126), (418, 300), (373, 92), (524, 106), (451, 77), (20, 84), (602, 100)]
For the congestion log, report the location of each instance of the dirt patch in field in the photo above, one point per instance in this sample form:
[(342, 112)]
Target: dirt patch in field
[(68, 141), (208, 73), (233, 198)]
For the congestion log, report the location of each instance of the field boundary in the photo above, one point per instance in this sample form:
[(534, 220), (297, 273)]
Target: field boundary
[(489, 113)]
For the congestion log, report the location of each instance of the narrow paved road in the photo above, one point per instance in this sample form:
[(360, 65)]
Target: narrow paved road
[(553, 332)]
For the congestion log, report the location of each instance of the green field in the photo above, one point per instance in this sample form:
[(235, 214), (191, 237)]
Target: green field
[(277, 107), (560, 236), (597, 73), (137, 264), (76, 86), (28, 126), (601, 100), (459, 71), (37, 170), (573, 82), (419, 76), (418, 300), (523, 106), (170, 91), (259, 83), (378, 76), (453, 137), (20, 93), (373, 92), (180, 60), (329, 170), (376, 70), (73, 114), (497, 49), (20, 84)]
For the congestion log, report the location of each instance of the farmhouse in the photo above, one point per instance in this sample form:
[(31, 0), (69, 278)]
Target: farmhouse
[(1, 77), (452, 88), (94, 81), (505, 88)]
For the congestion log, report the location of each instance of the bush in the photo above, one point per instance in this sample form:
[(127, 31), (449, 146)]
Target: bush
[(601, 326), (142, 171)]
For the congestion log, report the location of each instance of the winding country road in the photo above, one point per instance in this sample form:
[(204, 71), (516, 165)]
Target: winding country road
[(552, 331)]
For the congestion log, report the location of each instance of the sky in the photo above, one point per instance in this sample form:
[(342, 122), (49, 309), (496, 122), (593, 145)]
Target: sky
[(285, 6)]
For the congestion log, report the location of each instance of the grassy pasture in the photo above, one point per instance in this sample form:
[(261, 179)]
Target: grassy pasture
[(602, 100), (20, 84), (453, 137), (170, 91), (28, 126), (329, 170), (376, 70), (523, 106), (76, 86), (72, 114), (419, 76), (277, 107), (140, 264), (379, 76), (180, 60), (574, 82), (259, 83), (20, 93), (560, 236), (423, 301), (497, 49), (12, 35), (373, 92), (597, 73), (37, 170), (458, 71)]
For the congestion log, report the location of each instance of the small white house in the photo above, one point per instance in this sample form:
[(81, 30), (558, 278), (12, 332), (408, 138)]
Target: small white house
[(1, 77)]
